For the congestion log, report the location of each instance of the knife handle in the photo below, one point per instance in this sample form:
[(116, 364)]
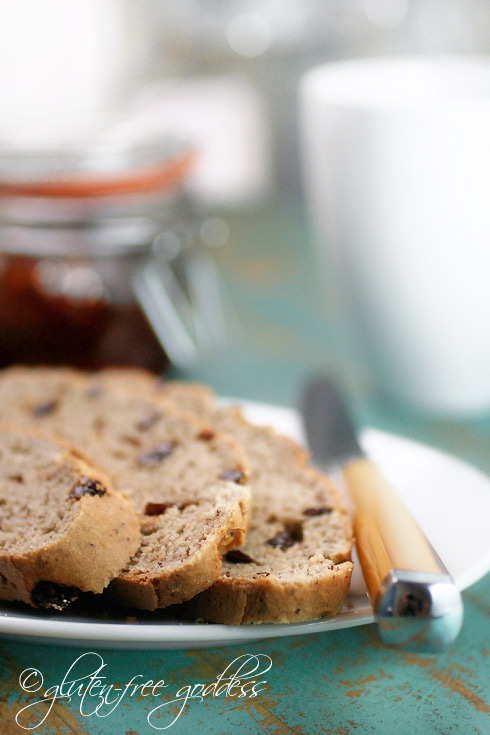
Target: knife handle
[(404, 576)]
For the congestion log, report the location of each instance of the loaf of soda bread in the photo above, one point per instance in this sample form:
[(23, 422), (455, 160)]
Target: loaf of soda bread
[(187, 481)]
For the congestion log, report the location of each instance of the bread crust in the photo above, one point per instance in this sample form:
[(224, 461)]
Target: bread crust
[(272, 600)]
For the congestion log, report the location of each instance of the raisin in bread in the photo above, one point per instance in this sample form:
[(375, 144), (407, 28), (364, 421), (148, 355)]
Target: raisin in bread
[(295, 565), (63, 530), (188, 482)]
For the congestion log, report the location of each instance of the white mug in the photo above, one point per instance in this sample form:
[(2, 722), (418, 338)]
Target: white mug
[(397, 172)]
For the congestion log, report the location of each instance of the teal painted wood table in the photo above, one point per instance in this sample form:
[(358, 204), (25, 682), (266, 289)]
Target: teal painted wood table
[(342, 682)]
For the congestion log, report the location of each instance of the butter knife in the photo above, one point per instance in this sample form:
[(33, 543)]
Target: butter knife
[(416, 604)]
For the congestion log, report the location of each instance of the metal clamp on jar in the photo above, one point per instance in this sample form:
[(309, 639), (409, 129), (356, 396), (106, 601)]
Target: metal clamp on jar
[(96, 246)]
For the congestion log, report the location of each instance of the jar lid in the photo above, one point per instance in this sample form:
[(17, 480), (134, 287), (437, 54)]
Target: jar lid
[(112, 192), (102, 167)]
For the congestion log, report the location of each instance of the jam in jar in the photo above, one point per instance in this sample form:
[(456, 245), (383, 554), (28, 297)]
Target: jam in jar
[(74, 231)]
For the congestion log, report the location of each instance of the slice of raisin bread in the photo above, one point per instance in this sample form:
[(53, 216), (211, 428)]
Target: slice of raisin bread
[(295, 565), (187, 481), (63, 530)]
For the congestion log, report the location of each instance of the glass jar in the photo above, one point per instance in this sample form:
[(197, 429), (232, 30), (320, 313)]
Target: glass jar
[(77, 231)]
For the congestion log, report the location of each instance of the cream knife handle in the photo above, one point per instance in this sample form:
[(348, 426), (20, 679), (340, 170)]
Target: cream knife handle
[(413, 597), (387, 535)]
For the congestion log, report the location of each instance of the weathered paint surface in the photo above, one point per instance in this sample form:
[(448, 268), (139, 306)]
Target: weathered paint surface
[(342, 683)]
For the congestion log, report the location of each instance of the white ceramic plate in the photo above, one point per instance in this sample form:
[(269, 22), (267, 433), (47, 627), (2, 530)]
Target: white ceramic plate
[(449, 499)]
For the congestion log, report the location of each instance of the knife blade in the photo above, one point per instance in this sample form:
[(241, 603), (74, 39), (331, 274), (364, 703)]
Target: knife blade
[(416, 604)]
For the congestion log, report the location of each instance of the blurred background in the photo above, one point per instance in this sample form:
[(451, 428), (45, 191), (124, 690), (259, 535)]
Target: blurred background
[(214, 67), (150, 172)]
